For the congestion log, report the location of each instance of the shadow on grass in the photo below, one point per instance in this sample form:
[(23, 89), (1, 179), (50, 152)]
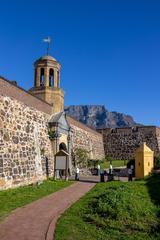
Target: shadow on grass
[(153, 185)]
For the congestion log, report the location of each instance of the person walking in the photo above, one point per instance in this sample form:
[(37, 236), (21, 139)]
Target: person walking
[(102, 175), (110, 169), (130, 172), (98, 169), (110, 175), (133, 171), (77, 174)]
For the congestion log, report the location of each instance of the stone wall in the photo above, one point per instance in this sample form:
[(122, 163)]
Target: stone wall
[(23, 144), (121, 143), (87, 138), (158, 138)]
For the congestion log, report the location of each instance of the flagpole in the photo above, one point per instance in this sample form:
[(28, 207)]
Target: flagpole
[(48, 41), (48, 49)]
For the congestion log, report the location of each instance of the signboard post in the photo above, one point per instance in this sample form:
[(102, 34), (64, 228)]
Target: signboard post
[(61, 163)]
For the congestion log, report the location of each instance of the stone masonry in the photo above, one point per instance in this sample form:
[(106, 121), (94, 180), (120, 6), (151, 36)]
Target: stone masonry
[(121, 143), (23, 143), (86, 138)]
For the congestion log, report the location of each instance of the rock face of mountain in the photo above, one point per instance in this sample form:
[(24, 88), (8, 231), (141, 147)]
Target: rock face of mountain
[(97, 116)]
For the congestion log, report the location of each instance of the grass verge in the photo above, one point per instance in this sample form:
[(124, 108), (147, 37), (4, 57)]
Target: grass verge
[(115, 163), (114, 210), (18, 197)]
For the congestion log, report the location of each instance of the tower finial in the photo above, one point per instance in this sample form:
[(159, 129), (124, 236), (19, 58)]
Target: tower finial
[(48, 41)]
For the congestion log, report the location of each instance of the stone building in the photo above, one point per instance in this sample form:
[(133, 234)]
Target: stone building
[(33, 127)]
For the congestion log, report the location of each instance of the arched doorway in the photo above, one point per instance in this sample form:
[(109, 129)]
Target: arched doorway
[(62, 146)]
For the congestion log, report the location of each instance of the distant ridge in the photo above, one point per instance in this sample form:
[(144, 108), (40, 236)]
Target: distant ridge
[(97, 116)]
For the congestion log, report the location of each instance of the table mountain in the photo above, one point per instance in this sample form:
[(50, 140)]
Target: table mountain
[(97, 116)]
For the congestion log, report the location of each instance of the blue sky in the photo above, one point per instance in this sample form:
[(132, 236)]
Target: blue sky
[(109, 50)]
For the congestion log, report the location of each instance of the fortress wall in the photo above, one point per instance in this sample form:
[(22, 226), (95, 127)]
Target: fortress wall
[(23, 143), (121, 143), (13, 91), (158, 136), (87, 138)]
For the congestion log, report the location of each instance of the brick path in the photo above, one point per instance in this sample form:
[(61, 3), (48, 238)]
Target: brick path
[(37, 220)]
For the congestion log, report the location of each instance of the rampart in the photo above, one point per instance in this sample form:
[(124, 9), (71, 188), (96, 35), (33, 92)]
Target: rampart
[(121, 143)]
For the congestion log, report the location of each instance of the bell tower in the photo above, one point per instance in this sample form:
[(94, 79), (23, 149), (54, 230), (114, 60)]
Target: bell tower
[(47, 82)]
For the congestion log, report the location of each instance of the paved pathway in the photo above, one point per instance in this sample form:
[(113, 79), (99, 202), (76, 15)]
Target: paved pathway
[(96, 179), (37, 220)]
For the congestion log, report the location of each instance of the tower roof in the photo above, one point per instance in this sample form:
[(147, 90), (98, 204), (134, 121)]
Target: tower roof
[(47, 57)]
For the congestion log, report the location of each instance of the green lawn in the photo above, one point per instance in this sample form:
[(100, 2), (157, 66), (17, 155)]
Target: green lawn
[(115, 210), (115, 163), (14, 198)]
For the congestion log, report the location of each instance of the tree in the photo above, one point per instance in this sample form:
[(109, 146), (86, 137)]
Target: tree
[(80, 157)]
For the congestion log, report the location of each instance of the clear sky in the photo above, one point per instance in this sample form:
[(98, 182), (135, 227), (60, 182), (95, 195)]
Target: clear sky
[(109, 50)]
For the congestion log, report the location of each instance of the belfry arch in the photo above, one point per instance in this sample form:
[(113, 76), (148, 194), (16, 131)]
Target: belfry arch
[(51, 77), (42, 83)]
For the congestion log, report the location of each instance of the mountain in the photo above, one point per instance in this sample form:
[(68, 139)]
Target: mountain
[(97, 116)]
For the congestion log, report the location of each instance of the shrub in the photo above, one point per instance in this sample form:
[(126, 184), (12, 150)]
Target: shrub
[(157, 162), (108, 159)]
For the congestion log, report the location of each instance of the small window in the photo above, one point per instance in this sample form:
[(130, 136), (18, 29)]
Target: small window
[(139, 164), (148, 164)]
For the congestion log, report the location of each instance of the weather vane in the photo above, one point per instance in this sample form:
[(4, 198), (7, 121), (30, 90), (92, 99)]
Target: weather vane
[(48, 41)]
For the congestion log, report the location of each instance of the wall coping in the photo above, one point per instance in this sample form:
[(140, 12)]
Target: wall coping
[(23, 95), (7, 88), (82, 126), (138, 127)]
